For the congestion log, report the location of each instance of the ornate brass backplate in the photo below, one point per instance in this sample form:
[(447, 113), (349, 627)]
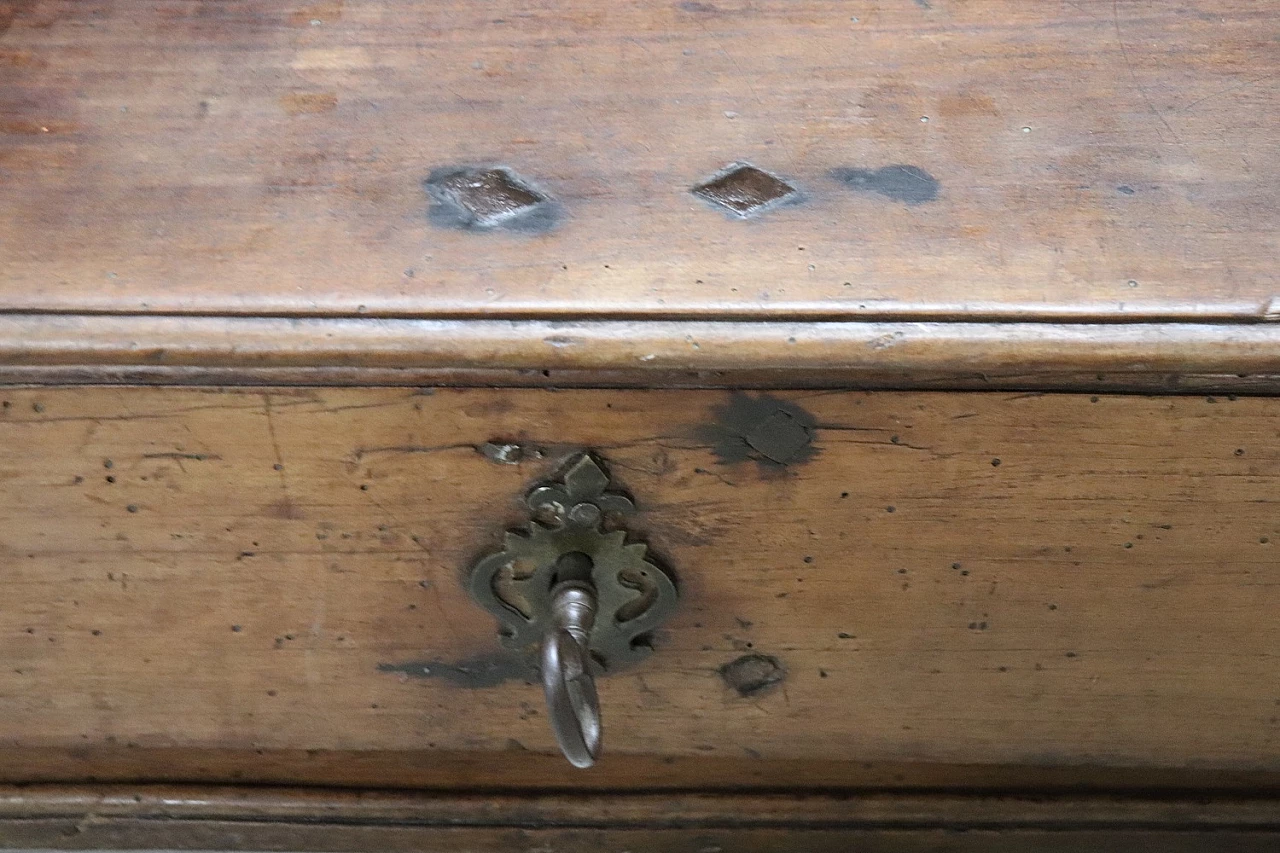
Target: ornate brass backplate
[(570, 539)]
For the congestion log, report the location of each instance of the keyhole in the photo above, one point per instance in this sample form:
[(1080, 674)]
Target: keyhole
[(573, 566)]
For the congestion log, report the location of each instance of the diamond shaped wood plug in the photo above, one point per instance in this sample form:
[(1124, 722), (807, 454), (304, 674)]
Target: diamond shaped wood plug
[(485, 198), (743, 190)]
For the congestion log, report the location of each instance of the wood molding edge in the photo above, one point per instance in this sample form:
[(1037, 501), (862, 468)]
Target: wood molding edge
[(670, 810), (1151, 357)]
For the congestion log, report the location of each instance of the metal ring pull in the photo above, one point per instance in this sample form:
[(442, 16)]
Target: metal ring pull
[(572, 703), (588, 600)]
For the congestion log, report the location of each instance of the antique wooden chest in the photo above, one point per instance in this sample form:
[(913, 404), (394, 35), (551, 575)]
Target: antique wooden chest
[(829, 425)]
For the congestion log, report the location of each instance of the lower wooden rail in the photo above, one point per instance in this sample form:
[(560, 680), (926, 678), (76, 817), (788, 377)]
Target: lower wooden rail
[(288, 819)]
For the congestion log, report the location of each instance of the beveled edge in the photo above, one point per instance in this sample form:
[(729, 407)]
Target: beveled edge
[(69, 349), (815, 810)]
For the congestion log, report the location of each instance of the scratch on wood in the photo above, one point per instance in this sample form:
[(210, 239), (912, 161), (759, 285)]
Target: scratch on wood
[(1133, 74), (285, 508), (476, 673), (361, 452), (196, 457)]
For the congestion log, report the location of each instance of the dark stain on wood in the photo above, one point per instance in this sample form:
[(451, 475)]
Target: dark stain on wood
[(284, 509), (907, 184), (12, 10), (694, 7), (488, 198), (479, 672), (753, 675), (776, 433)]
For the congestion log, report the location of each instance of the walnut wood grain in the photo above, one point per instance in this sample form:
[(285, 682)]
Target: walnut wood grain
[(952, 160), (950, 579)]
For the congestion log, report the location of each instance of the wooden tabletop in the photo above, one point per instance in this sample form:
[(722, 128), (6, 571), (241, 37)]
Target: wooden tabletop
[(916, 160)]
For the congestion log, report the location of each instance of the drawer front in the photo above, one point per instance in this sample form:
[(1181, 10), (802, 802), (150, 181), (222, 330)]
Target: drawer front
[(266, 585)]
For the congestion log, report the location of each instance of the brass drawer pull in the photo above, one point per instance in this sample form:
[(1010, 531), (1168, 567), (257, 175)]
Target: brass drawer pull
[(572, 703), (572, 591)]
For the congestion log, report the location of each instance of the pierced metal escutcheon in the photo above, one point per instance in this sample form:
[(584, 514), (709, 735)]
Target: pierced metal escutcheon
[(577, 595)]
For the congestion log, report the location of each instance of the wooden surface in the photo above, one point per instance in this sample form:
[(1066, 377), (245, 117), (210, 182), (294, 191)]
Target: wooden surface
[(432, 769), (205, 342), (1162, 357), (1092, 159), (270, 819), (126, 834), (945, 579), (167, 836), (670, 809)]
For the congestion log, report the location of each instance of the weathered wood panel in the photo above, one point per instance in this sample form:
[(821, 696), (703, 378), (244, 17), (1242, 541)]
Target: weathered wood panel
[(1083, 159), (958, 579)]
